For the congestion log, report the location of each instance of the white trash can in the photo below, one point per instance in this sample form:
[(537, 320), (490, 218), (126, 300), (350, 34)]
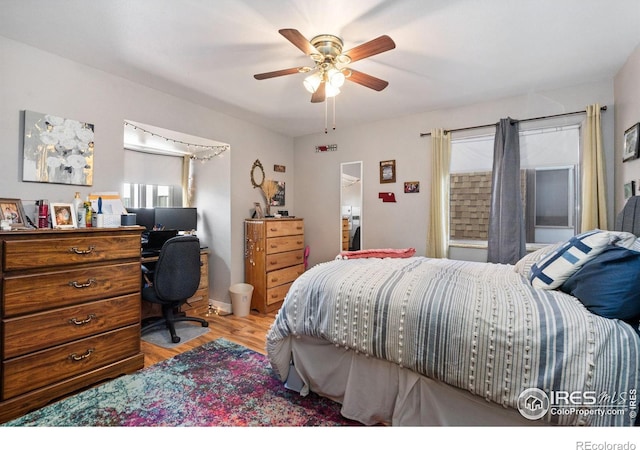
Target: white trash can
[(241, 299)]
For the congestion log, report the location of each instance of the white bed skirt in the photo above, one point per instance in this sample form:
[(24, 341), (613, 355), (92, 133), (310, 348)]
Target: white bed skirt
[(373, 391)]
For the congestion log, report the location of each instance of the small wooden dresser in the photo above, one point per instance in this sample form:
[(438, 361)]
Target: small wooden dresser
[(70, 312), (273, 259)]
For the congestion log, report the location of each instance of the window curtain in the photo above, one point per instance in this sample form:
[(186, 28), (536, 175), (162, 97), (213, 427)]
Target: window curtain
[(438, 235), (188, 188), (507, 238), (594, 200)]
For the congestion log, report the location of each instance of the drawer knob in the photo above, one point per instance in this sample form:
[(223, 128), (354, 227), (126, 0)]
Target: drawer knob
[(77, 285), (75, 357), (89, 318), (77, 251)]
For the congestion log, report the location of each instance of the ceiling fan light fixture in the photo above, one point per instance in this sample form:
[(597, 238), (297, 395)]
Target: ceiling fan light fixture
[(312, 82), (330, 90), (336, 77)]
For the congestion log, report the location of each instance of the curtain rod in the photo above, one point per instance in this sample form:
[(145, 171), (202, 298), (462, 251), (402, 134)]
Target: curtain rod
[(603, 108)]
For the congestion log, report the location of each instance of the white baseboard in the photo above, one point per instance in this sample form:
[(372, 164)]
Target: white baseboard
[(220, 306)]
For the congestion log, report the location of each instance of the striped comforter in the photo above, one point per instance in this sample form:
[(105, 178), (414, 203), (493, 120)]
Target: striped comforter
[(480, 327)]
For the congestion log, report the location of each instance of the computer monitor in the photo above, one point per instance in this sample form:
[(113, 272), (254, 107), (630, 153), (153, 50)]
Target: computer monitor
[(145, 217), (181, 219)]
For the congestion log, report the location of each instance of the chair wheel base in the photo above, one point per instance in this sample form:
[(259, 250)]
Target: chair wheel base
[(175, 339)]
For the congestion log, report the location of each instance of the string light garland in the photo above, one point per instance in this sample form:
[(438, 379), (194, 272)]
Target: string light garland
[(216, 149)]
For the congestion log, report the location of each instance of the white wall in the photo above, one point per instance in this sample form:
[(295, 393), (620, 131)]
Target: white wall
[(627, 98), (34, 80), (404, 224), (38, 81)]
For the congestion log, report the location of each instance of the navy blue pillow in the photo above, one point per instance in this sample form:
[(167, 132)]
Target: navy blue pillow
[(609, 284)]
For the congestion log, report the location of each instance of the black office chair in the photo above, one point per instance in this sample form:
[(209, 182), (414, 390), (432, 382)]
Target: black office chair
[(174, 280)]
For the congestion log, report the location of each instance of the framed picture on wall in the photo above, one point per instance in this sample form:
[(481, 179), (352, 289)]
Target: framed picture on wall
[(629, 189), (631, 143), (388, 171), (411, 187)]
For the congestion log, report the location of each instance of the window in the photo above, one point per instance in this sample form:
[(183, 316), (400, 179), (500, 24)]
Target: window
[(554, 197), (152, 180), (549, 161), (150, 195)]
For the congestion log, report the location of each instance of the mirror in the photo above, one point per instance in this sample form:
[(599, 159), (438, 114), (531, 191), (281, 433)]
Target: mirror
[(351, 206), (257, 174)]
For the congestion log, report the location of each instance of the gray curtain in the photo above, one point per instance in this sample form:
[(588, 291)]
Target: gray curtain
[(507, 239)]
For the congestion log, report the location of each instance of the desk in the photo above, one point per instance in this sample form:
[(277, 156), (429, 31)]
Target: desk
[(198, 305)]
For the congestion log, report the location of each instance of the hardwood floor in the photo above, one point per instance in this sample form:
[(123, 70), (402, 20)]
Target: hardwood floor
[(249, 331)]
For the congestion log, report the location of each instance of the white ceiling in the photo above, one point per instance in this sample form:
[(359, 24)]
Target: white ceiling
[(448, 52)]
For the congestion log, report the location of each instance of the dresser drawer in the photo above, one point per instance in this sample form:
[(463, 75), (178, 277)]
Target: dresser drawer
[(38, 331), (284, 227), (284, 244), (282, 276), (40, 253), (280, 260), (36, 370), (277, 294), (38, 292)]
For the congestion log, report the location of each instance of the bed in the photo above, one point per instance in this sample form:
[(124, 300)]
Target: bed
[(406, 340)]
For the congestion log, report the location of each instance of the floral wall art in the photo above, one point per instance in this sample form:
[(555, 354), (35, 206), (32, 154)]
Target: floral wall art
[(57, 150)]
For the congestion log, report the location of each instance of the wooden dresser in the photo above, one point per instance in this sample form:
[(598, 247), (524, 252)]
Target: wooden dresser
[(70, 312), (273, 259), (345, 234)]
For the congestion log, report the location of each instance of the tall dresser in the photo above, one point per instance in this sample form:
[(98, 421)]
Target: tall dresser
[(274, 258), (70, 312)]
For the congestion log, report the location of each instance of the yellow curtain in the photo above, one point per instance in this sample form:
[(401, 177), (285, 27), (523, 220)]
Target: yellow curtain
[(438, 233), (594, 200), (188, 189)]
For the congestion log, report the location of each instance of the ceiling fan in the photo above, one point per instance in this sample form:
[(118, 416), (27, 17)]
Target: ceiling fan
[(330, 68)]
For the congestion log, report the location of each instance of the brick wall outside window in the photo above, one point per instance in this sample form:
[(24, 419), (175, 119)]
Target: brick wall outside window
[(470, 203)]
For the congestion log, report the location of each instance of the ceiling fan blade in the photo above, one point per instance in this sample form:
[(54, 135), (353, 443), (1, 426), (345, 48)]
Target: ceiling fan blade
[(297, 39), (279, 73), (373, 47), (367, 80), (319, 95)]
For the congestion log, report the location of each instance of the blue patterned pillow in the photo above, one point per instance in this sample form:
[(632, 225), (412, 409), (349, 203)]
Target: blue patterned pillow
[(554, 269), (609, 284)]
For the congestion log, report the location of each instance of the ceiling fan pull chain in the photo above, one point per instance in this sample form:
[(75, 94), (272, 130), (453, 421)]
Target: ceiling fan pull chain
[(325, 117), (334, 113)]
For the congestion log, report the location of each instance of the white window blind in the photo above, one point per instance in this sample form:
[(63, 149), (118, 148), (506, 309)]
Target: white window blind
[(149, 168)]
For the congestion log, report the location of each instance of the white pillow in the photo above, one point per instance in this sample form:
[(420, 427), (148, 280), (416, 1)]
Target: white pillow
[(523, 266), (554, 269)]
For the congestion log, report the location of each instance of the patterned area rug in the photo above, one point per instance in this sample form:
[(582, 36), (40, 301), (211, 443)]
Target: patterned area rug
[(217, 384)]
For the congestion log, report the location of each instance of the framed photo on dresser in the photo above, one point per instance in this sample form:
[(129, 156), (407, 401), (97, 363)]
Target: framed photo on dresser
[(11, 209), (63, 216)]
